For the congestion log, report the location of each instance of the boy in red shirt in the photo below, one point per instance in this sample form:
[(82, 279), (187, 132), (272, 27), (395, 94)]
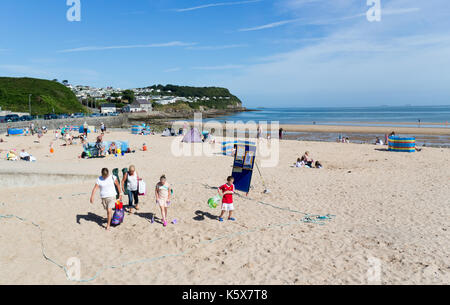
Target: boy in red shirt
[(227, 191)]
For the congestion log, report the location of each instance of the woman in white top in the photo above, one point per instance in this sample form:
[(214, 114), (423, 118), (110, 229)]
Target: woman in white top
[(107, 185), (131, 178)]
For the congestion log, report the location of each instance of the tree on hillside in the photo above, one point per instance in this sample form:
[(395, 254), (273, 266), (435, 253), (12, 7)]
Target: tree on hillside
[(128, 95)]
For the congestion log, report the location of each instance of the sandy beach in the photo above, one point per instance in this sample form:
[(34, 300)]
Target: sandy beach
[(390, 212)]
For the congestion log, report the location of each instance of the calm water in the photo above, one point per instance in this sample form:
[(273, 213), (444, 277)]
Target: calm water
[(362, 116)]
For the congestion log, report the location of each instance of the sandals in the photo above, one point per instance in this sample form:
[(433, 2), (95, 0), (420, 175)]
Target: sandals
[(231, 218)]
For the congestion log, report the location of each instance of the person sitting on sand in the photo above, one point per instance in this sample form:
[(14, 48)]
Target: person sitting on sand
[(307, 159), (162, 193), (378, 141), (112, 148), (299, 163), (68, 140), (11, 155), (211, 138), (107, 185), (131, 178)]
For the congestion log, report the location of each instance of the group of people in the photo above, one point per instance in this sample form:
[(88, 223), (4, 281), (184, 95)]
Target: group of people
[(342, 139), (12, 155), (307, 161), (379, 141), (111, 191)]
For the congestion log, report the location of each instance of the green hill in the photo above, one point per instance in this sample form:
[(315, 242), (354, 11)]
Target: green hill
[(46, 96)]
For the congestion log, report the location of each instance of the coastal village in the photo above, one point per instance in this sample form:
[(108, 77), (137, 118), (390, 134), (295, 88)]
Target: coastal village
[(143, 98)]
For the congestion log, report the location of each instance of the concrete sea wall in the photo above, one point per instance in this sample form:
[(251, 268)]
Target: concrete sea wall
[(110, 122)]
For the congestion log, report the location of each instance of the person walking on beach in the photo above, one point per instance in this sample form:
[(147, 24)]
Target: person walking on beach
[(162, 193), (107, 185), (85, 127), (227, 191), (131, 178), (280, 133), (103, 128)]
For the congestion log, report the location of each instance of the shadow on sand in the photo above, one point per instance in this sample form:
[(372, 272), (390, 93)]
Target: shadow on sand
[(201, 215), (381, 149), (93, 218), (149, 217)]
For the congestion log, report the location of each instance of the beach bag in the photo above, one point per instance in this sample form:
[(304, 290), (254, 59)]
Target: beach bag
[(119, 214), (141, 187)]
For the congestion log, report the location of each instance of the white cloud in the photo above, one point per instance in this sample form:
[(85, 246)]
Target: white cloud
[(223, 67), (103, 48), (269, 26), (215, 5), (172, 70), (213, 48)]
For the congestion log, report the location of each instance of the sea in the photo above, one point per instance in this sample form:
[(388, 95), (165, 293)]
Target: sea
[(439, 116), (406, 116)]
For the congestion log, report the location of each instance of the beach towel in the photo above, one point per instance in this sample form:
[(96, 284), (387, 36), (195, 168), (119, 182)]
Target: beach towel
[(115, 172), (124, 171)]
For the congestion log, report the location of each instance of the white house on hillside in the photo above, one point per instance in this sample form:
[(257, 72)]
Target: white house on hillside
[(133, 107), (145, 105), (108, 108)]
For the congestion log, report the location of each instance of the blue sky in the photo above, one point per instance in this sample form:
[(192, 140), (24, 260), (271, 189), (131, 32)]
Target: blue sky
[(269, 53)]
